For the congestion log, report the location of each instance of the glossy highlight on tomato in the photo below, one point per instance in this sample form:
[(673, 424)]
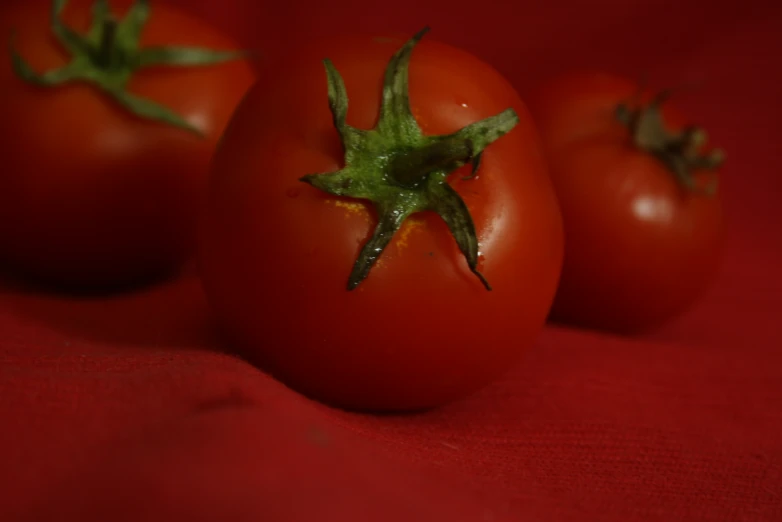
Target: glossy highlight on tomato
[(289, 224), (93, 196), (644, 234)]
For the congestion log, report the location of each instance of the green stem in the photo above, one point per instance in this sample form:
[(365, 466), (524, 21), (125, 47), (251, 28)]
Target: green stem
[(108, 55), (679, 152), (108, 43), (410, 168), (402, 171)]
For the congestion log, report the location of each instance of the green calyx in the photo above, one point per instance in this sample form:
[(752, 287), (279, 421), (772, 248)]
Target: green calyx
[(108, 55), (400, 170), (679, 151)]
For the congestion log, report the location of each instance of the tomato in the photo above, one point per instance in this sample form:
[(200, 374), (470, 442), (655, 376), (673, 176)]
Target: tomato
[(93, 195), (638, 188), (360, 274)]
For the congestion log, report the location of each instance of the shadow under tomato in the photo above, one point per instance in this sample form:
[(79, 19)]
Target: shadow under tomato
[(168, 313)]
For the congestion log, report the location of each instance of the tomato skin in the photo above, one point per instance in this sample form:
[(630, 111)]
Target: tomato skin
[(640, 250), (276, 254), (92, 196)]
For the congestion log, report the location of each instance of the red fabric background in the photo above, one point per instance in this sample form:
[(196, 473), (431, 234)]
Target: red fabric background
[(126, 409)]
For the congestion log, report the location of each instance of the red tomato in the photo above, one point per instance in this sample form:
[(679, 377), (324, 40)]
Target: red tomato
[(92, 195), (276, 254), (641, 246)]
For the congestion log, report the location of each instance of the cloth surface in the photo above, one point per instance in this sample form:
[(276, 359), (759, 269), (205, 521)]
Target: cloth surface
[(129, 408)]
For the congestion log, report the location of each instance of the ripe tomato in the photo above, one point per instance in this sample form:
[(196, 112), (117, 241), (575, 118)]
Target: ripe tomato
[(643, 227), (417, 328), (91, 194)]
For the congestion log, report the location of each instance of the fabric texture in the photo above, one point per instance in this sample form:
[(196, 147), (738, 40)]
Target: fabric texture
[(130, 408)]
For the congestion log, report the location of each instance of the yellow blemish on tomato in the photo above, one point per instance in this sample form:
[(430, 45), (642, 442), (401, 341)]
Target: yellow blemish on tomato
[(412, 223), (351, 208)]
